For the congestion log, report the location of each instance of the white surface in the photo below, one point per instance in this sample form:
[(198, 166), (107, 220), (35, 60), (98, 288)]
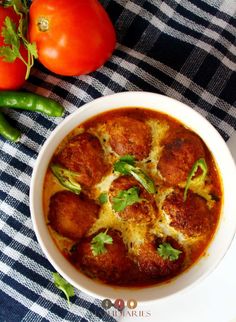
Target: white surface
[(213, 300)]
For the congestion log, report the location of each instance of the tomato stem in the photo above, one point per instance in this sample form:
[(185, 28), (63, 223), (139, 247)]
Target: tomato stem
[(28, 65), (42, 24)]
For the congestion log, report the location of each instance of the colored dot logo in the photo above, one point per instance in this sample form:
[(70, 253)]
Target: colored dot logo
[(119, 304)]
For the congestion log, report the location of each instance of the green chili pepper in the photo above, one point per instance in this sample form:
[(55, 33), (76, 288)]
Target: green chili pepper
[(30, 102), (67, 178), (126, 165), (7, 131), (142, 178)]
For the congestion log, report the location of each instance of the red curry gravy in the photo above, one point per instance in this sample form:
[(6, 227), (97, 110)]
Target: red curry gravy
[(132, 197)]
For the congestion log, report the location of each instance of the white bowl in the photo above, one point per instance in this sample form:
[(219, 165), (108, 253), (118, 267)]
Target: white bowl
[(227, 225)]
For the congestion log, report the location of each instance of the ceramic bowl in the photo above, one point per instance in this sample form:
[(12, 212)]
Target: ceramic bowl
[(227, 225)]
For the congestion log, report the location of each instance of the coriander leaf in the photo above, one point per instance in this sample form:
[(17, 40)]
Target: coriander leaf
[(166, 251), (128, 158), (120, 165), (199, 163), (66, 178), (11, 3), (7, 3), (8, 54), (15, 36), (98, 243), (64, 286), (32, 49), (9, 33), (126, 198), (20, 6), (103, 198)]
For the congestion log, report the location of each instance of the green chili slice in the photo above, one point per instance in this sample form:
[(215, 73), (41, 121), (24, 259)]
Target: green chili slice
[(199, 163), (66, 178), (126, 165), (142, 178)]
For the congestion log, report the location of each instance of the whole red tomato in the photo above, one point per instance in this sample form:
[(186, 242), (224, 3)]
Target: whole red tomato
[(73, 37), (12, 75)]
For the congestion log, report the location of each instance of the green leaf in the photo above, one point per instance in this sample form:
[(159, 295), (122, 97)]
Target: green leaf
[(98, 243), (66, 178), (9, 33), (103, 198), (32, 48), (126, 198), (14, 37), (11, 39), (64, 286), (199, 163), (121, 164), (7, 3), (166, 251), (11, 3), (8, 55), (128, 159), (18, 5)]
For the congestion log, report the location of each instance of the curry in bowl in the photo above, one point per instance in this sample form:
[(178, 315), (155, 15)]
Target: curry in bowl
[(132, 197)]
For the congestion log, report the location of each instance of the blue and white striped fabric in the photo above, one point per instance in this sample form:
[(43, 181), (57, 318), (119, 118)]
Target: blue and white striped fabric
[(183, 49)]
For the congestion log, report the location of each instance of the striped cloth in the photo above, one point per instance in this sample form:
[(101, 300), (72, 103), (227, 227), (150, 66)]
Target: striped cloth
[(183, 49)]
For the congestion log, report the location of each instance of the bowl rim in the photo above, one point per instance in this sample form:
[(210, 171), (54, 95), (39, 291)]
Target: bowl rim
[(87, 111)]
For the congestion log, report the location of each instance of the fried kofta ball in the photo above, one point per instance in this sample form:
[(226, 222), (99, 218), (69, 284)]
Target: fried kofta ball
[(155, 266), (84, 154), (178, 156), (129, 136), (142, 211), (72, 215), (192, 217), (112, 266)]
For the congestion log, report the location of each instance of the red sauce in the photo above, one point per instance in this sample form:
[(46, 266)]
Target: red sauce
[(156, 234)]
